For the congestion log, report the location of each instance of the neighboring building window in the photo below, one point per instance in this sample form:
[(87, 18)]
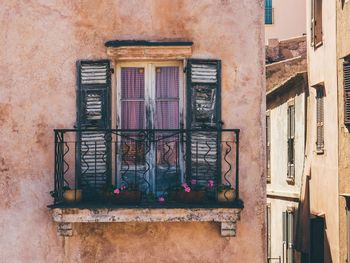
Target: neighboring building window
[(268, 12), (317, 234), (316, 23), (268, 220), (268, 147), (288, 235), (346, 83), (290, 141), (320, 119)]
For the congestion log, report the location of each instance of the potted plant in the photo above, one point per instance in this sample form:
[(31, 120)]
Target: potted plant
[(127, 194), (191, 192), (226, 193)]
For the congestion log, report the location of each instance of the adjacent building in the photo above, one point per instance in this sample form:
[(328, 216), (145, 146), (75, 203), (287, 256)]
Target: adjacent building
[(144, 120), (284, 19)]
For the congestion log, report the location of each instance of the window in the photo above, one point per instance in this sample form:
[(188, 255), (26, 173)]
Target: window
[(149, 102), (290, 141), (288, 235), (316, 23), (346, 83), (317, 232), (150, 96), (268, 12), (319, 119), (268, 147)]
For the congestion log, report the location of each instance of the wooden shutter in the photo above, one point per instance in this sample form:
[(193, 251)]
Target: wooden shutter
[(93, 99), (290, 139), (317, 22), (346, 83), (268, 219), (320, 118), (204, 112), (290, 237), (268, 147)]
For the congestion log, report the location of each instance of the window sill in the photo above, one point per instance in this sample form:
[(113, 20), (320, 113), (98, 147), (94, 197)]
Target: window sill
[(66, 216)]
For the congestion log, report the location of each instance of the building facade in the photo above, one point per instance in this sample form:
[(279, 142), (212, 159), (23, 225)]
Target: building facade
[(284, 19), (286, 97), (143, 98)]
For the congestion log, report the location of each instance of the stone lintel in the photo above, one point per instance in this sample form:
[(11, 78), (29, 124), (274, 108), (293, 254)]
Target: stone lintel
[(137, 53), (228, 217)]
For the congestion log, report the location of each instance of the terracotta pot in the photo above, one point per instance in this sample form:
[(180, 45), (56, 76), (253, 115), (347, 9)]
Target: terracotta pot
[(127, 197), (227, 195), (191, 197), (73, 195)]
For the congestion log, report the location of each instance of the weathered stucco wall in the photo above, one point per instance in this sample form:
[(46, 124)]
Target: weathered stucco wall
[(343, 49), (322, 68), (40, 42)]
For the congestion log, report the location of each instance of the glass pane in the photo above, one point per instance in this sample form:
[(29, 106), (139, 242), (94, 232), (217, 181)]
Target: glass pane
[(133, 83), (167, 82), (133, 115)]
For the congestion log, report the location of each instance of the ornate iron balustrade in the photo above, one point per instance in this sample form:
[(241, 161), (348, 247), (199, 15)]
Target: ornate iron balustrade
[(147, 167)]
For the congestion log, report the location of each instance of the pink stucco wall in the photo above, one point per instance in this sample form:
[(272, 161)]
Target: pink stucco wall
[(40, 42)]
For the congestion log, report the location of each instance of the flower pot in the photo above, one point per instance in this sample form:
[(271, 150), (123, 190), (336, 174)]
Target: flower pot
[(127, 197), (227, 195), (191, 197), (73, 195)]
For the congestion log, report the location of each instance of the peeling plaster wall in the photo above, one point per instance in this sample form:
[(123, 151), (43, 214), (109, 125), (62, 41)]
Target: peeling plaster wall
[(40, 42)]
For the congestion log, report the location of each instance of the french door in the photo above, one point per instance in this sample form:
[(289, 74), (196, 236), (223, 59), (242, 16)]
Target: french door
[(149, 106)]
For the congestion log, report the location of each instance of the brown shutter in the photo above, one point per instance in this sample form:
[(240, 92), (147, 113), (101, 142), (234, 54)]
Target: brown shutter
[(346, 72), (93, 98), (317, 22)]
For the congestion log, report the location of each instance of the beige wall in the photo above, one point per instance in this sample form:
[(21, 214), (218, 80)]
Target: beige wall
[(289, 19), (343, 49), (40, 42), (324, 167)]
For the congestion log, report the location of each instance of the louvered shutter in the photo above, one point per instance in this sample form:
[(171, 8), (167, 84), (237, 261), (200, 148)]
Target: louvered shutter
[(268, 147), (291, 135), (94, 164), (319, 118), (346, 72), (204, 112), (290, 237), (268, 219)]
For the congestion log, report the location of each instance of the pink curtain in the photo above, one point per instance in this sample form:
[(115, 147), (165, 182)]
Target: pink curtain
[(132, 95), (167, 98)]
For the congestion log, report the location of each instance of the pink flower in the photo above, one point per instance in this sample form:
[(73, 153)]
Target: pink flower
[(193, 181), (187, 189), (184, 185), (161, 199), (123, 187), (117, 191), (210, 183)]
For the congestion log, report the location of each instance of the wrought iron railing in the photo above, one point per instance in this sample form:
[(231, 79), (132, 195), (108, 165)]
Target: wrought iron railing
[(146, 167)]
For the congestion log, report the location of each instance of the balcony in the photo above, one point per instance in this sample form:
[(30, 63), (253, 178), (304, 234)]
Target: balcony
[(146, 175)]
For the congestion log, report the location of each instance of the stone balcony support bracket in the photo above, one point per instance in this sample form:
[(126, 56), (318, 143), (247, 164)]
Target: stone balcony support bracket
[(66, 217)]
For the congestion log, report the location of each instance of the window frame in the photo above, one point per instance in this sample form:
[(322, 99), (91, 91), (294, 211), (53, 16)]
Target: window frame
[(268, 146), (316, 18), (150, 102)]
